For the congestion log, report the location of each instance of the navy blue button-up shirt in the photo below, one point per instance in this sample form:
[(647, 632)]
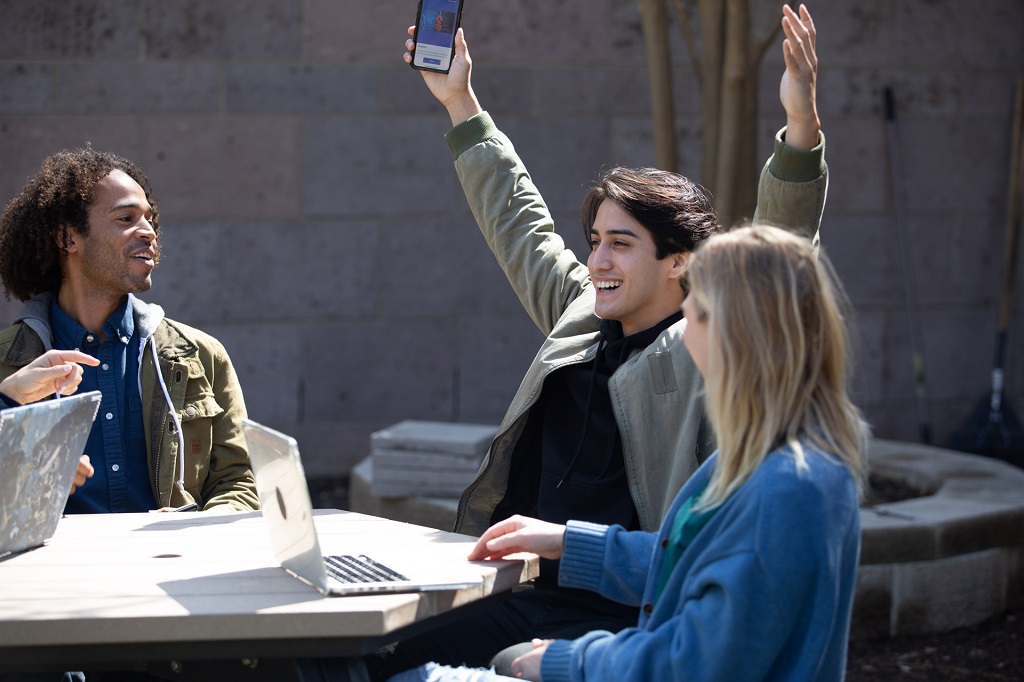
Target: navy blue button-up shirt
[(117, 444)]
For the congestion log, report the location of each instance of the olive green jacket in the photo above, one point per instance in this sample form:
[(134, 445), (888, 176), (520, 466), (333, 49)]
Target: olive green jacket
[(657, 393), (204, 394)]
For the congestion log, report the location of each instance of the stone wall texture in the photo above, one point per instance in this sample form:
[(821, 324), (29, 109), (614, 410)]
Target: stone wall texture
[(313, 222)]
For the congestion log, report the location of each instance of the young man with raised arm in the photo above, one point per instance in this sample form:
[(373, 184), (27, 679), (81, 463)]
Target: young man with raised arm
[(608, 423)]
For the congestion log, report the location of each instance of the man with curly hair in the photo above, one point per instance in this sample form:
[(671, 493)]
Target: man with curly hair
[(77, 244)]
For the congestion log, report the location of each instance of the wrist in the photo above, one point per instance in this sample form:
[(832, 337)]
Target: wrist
[(802, 133), (463, 108), (10, 398)]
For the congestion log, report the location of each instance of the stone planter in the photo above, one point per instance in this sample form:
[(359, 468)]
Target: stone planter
[(954, 556)]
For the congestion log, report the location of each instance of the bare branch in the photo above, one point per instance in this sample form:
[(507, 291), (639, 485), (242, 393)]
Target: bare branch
[(690, 37), (734, 87), (712, 25), (654, 22), (767, 37)]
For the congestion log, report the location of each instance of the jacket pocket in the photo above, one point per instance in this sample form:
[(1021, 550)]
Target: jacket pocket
[(197, 418), (663, 374)]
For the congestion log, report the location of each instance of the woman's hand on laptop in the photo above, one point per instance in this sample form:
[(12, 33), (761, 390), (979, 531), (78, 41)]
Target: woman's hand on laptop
[(520, 534), (55, 371), (83, 472)]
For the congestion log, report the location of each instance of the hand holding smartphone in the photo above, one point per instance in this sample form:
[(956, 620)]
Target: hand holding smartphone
[(434, 38)]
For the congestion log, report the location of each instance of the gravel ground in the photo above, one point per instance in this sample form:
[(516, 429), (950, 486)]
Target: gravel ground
[(991, 651)]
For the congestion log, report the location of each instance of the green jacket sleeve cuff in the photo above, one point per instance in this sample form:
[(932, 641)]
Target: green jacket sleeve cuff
[(470, 132), (796, 165)]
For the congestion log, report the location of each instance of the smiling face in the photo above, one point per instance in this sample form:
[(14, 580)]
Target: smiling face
[(118, 254), (633, 285)]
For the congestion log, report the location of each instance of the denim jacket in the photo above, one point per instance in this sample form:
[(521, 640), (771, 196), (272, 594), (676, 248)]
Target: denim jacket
[(193, 404)]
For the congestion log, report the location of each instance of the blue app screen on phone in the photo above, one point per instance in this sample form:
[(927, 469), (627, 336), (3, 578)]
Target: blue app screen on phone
[(436, 35)]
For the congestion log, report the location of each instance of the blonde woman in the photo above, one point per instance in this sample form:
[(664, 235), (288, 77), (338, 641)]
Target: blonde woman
[(751, 576)]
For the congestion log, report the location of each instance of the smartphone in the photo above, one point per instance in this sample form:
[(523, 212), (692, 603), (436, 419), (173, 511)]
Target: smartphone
[(434, 39)]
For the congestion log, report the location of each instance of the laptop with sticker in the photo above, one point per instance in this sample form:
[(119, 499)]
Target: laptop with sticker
[(284, 498), (40, 445)]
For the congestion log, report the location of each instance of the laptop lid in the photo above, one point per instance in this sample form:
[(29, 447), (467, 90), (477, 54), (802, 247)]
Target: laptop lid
[(40, 445), (285, 503)]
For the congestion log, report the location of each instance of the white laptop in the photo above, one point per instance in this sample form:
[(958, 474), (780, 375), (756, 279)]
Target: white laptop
[(284, 498), (40, 445)]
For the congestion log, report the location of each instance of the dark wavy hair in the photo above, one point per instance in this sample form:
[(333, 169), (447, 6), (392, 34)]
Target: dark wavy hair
[(673, 208), (35, 224)]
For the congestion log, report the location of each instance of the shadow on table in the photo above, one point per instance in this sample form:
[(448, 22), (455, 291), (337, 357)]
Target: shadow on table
[(172, 521)]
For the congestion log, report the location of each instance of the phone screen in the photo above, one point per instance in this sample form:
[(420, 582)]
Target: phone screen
[(435, 34)]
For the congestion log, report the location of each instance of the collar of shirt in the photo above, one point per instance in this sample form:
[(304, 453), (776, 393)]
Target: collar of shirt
[(67, 333)]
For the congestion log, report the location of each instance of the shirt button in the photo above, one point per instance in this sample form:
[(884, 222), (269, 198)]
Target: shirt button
[(110, 415), (90, 338), (124, 339), (664, 543), (190, 411), (648, 607), (106, 366), (115, 467)]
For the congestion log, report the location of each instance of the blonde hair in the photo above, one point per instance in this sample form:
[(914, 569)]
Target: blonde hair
[(777, 343)]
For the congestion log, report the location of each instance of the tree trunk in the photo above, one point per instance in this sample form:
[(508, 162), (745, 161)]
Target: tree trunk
[(735, 64), (712, 23), (654, 22), (727, 63), (748, 166)]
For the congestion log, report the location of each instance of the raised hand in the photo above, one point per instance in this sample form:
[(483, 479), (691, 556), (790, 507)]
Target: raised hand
[(453, 89), (799, 82)]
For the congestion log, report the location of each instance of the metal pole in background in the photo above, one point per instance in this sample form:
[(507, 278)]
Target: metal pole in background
[(905, 246)]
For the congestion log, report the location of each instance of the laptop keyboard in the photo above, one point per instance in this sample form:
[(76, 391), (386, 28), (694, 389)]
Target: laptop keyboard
[(360, 569)]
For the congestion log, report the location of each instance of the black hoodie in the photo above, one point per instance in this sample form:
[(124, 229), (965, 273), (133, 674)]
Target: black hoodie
[(582, 473)]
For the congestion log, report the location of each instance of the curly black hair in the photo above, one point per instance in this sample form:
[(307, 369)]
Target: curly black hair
[(35, 223)]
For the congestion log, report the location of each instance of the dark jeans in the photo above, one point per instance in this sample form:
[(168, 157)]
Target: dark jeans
[(547, 613)]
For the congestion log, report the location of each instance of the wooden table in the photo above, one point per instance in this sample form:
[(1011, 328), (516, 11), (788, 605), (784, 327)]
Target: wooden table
[(150, 591)]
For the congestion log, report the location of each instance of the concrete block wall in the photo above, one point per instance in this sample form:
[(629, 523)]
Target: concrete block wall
[(312, 220)]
